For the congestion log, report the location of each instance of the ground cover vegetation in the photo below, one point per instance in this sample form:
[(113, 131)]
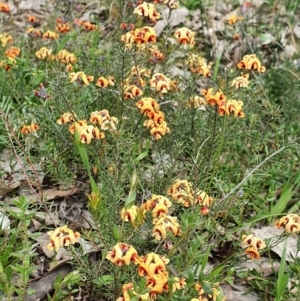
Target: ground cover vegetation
[(150, 151)]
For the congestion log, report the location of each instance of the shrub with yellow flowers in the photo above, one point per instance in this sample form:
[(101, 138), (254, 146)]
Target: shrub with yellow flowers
[(153, 131)]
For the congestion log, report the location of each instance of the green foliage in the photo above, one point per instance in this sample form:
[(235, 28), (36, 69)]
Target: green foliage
[(240, 172)]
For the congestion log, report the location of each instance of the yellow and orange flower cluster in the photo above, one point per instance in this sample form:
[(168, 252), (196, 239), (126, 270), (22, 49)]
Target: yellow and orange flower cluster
[(185, 36), (10, 54), (156, 123), (87, 131), (87, 26), (50, 35), (62, 26), (103, 82), (156, 56), (151, 266), (140, 37), (197, 64), (233, 18), (104, 120), (29, 129), (225, 107), (253, 244), (162, 84), (66, 57), (290, 223), (147, 10), (5, 39), (251, 62), (4, 8), (33, 32), (80, 78), (62, 236), (123, 254), (134, 83), (163, 222), (183, 193), (134, 214), (44, 53), (240, 81), (172, 4)]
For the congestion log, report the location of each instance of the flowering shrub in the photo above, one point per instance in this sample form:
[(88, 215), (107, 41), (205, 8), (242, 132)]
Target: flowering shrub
[(157, 134)]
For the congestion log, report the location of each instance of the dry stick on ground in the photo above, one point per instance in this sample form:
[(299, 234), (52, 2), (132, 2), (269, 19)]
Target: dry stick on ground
[(257, 168)]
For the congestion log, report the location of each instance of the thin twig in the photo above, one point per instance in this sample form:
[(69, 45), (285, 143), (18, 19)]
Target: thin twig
[(257, 168)]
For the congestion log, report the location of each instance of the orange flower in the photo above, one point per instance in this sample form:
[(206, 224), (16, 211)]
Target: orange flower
[(160, 82), (81, 78), (43, 53), (28, 129), (156, 56), (232, 106), (140, 36), (12, 52), (197, 64), (33, 32), (123, 254), (66, 118), (63, 27), (77, 125), (290, 222), (4, 8), (156, 117), (185, 36), (144, 35), (172, 4), (104, 82), (253, 253), (126, 26), (132, 92), (88, 26), (159, 130), (240, 81), (214, 97), (157, 284), (62, 236), (147, 10), (5, 39), (204, 210), (33, 20), (164, 224), (179, 283), (181, 192), (152, 264), (129, 214), (66, 57), (147, 104), (134, 215), (140, 72), (203, 199), (105, 121), (251, 62), (253, 241), (51, 35)]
